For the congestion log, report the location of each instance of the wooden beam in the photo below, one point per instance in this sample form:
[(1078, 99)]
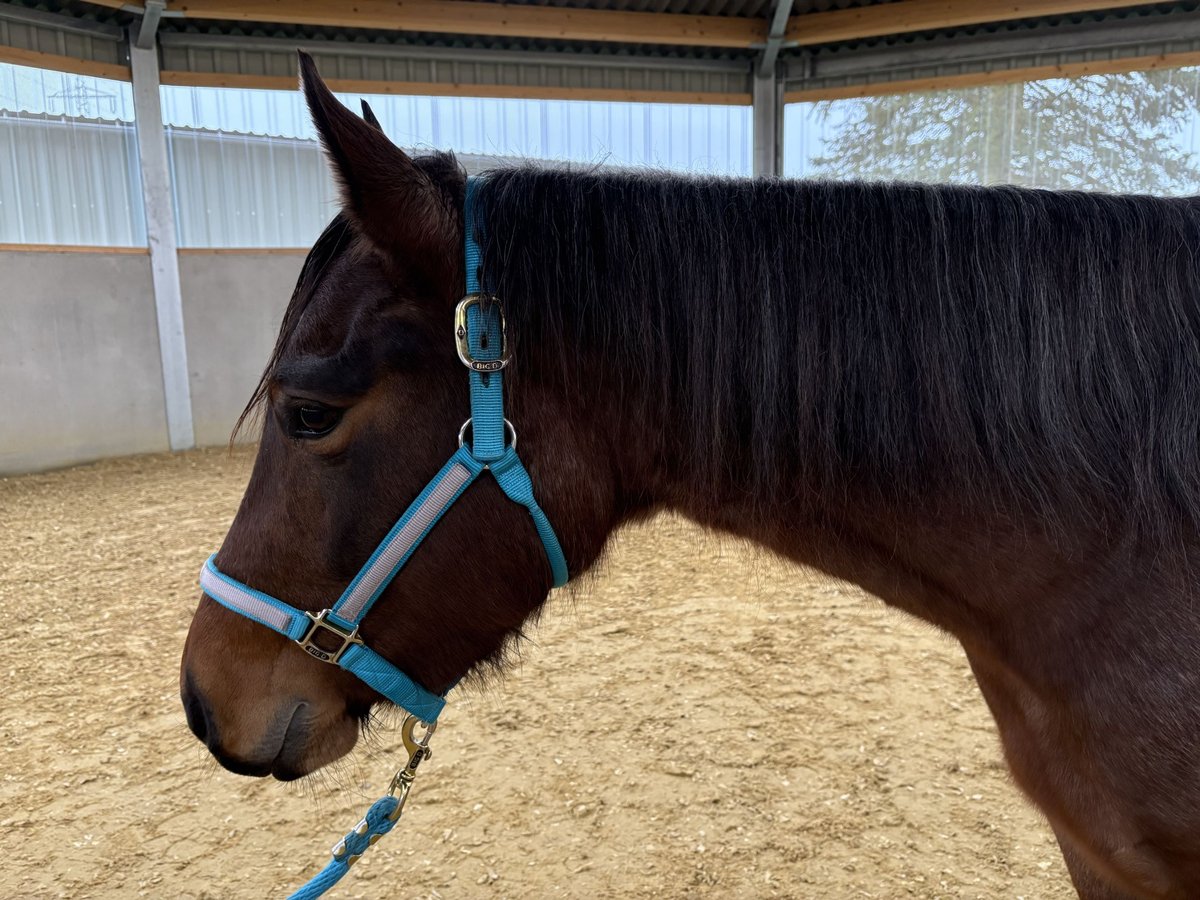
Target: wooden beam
[(492, 19), (243, 251), (999, 76), (73, 248), (459, 89), (923, 15), (53, 61), (499, 19)]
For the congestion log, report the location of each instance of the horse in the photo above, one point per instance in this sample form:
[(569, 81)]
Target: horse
[(980, 404)]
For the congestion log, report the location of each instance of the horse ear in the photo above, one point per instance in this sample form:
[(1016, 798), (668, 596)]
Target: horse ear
[(369, 115), (394, 203)]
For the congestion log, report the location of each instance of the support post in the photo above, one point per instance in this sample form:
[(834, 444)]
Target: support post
[(768, 96), (160, 236), (768, 125)]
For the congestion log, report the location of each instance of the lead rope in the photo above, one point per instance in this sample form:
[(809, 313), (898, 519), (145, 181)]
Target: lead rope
[(380, 818)]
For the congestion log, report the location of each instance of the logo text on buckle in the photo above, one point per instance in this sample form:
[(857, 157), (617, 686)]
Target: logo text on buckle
[(320, 621), (487, 365)]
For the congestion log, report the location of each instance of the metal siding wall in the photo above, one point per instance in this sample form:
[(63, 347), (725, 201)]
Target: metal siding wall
[(1051, 42), (627, 134), (43, 32), (258, 190), (468, 63), (247, 172), (247, 191), (65, 181)]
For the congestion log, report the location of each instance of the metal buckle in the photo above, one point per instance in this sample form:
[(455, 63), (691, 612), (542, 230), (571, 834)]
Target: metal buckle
[(321, 620), (418, 750), (463, 343)]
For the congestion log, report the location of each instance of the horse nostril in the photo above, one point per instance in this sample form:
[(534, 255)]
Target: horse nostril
[(196, 710)]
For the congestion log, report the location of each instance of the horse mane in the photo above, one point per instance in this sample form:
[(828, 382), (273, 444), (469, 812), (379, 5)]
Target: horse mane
[(772, 338)]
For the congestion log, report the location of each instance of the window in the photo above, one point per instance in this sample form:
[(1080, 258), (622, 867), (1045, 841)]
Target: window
[(1132, 132)]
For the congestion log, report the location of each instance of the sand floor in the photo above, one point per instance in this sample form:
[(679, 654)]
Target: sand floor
[(699, 721)]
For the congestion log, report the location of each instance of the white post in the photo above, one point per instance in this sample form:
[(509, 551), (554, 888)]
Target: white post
[(160, 236), (768, 125)]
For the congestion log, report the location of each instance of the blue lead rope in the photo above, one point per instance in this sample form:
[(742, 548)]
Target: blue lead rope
[(480, 333), (375, 824)]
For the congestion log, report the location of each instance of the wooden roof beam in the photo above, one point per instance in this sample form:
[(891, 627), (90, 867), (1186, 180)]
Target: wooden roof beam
[(925, 15), (492, 19), (479, 17)]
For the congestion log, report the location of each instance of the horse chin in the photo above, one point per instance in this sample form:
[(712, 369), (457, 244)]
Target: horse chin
[(308, 746)]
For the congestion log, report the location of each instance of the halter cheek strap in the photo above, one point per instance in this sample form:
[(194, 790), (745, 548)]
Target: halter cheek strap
[(482, 346)]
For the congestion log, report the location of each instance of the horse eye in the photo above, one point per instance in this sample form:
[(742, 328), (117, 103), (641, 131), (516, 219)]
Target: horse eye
[(315, 421)]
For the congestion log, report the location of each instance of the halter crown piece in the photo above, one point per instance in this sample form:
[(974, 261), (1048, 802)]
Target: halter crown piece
[(482, 347)]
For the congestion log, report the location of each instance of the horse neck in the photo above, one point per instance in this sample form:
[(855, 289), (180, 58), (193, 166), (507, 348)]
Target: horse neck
[(988, 573), (765, 388), (846, 373)]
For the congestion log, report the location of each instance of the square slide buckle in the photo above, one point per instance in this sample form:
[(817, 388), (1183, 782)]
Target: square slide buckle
[(463, 343), (321, 621)]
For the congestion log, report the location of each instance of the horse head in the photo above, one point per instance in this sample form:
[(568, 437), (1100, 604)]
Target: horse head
[(364, 396)]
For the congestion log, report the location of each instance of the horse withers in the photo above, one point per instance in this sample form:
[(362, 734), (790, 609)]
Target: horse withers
[(982, 405)]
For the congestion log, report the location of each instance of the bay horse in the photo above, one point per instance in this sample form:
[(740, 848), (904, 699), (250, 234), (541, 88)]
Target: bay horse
[(980, 404)]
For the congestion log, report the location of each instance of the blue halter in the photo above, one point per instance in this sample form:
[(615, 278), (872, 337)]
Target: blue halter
[(481, 340)]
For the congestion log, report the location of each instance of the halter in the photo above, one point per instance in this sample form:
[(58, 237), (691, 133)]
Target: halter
[(481, 340)]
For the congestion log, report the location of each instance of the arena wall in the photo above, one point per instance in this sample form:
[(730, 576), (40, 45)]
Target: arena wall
[(80, 375)]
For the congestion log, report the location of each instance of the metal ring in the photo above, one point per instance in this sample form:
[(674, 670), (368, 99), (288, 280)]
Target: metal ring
[(508, 426)]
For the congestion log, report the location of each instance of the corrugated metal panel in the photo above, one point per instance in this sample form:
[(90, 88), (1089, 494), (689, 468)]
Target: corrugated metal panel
[(709, 139), (800, 7), (42, 32), (75, 181), (69, 181), (238, 48), (743, 8), (1056, 42), (1016, 39), (249, 190), (398, 62), (236, 190), (247, 171)]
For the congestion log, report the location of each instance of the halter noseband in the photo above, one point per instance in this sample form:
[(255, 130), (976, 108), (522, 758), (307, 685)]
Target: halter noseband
[(482, 346)]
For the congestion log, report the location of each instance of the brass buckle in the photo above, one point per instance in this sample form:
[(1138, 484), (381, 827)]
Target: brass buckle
[(463, 344), (418, 750), (321, 621)]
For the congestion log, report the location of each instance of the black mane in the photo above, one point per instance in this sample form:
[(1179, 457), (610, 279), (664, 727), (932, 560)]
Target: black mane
[(783, 337)]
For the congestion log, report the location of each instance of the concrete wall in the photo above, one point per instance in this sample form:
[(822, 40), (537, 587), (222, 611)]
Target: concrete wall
[(80, 376), (233, 302)]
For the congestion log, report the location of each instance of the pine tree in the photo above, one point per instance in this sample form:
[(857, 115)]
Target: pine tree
[(1121, 133)]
